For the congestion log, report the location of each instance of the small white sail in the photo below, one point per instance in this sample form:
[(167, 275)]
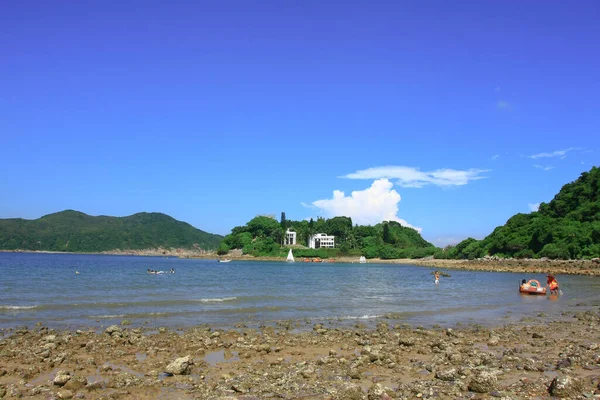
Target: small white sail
[(362, 260), (290, 257)]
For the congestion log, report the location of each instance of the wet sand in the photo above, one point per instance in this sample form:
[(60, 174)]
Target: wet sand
[(539, 357)]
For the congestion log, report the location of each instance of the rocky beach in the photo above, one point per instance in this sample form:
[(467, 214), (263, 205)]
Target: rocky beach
[(539, 358)]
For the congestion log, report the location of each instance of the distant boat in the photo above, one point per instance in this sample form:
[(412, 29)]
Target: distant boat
[(225, 260), (362, 260), (290, 257)]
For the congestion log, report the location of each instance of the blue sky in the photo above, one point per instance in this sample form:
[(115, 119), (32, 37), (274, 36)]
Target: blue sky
[(449, 116)]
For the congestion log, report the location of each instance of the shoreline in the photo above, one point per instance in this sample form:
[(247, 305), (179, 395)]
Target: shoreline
[(525, 266), (539, 356)]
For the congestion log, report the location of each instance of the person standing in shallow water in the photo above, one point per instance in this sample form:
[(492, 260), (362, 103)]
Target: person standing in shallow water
[(437, 277), (552, 284)]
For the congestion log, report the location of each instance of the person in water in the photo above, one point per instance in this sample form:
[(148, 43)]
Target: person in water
[(524, 284), (437, 277), (552, 284)]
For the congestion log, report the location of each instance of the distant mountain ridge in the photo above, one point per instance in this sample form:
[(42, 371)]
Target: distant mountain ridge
[(74, 231)]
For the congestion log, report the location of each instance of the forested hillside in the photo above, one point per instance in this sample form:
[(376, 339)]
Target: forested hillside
[(263, 236), (74, 231), (568, 227)]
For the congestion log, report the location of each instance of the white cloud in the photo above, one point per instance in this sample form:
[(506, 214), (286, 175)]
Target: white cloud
[(412, 177), (546, 168), (366, 207), (495, 157), (534, 206), (503, 105), (557, 153)]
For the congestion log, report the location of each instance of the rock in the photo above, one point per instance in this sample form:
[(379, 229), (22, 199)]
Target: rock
[(126, 322), (378, 392), (61, 378), (94, 385), (483, 382), (406, 341), (2, 392), (354, 373), (50, 338), (447, 375), (114, 330), (350, 392), (566, 387), (181, 366), (64, 394), (494, 340), (76, 383), (564, 363)]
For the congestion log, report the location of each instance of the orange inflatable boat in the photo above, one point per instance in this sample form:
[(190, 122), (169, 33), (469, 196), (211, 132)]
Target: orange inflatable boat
[(531, 286)]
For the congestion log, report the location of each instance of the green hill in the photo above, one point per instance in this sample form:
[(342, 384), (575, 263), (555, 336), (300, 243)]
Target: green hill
[(262, 236), (568, 227), (74, 231)]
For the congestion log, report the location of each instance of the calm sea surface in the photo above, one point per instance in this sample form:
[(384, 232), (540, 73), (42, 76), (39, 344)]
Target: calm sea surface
[(45, 288)]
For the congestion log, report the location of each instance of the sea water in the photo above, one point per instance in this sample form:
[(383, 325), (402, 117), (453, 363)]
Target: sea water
[(46, 289)]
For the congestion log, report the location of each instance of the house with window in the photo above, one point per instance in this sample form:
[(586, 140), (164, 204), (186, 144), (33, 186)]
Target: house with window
[(321, 240), (290, 238)]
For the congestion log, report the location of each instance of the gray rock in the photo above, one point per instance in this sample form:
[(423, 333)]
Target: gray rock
[(447, 375), (61, 378), (50, 338), (566, 387), (64, 394), (378, 392), (406, 341), (350, 391), (564, 363), (483, 382), (181, 366), (76, 383), (114, 330), (494, 340)]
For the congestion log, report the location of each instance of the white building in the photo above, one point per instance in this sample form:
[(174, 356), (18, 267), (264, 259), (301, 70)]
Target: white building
[(321, 240), (290, 238)]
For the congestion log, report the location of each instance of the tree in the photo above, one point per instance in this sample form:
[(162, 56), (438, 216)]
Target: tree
[(387, 236), (283, 222), (262, 226)]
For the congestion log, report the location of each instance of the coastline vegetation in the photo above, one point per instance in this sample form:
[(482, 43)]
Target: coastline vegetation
[(74, 231), (568, 227), (263, 236)]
